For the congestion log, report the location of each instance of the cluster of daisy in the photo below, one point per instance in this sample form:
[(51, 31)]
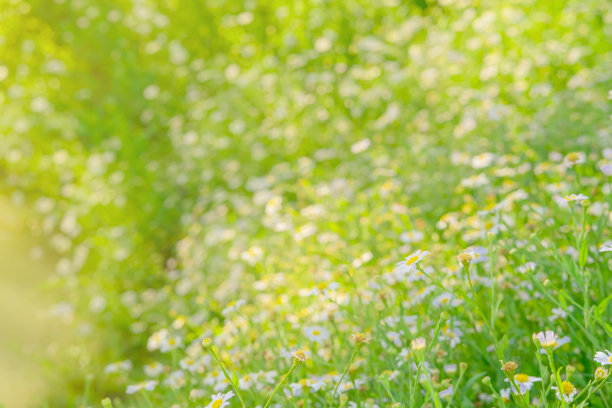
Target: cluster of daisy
[(256, 173)]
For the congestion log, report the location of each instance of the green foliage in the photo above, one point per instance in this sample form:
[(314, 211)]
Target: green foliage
[(251, 171)]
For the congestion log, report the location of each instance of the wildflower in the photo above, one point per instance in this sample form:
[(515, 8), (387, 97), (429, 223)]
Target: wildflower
[(308, 384), (603, 358), (145, 385), (505, 394), (316, 334), (154, 369), (547, 339), (601, 373), (465, 258), (418, 344), (509, 366), (528, 267), (606, 247), (575, 197), (574, 158), (446, 299), (473, 255), (170, 344), (411, 236), (359, 339), (220, 400), (524, 382), (567, 392), (207, 342), (410, 262), (446, 392), (301, 355), (125, 365)]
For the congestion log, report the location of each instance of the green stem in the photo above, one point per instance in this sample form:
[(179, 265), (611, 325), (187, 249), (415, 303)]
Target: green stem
[(227, 377), (280, 384), (346, 369)]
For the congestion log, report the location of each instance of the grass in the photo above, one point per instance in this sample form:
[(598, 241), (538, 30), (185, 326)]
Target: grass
[(262, 174)]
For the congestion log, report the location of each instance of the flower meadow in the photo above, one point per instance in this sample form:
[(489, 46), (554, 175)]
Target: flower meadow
[(315, 203)]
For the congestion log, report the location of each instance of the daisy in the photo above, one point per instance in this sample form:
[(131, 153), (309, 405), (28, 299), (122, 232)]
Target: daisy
[(576, 197), (145, 385), (220, 400), (154, 369), (567, 393), (524, 382), (446, 392), (170, 344), (446, 299), (547, 339), (601, 373), (505, 394), (301, 355), (411, 236), (606, 247), (316, 334), (403, 357), (418, 344), (125, 365), (603, 358), (574, 158), (410, 262)]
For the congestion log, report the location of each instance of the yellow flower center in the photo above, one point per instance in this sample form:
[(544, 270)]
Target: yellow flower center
[(610, 359), (316, 332), (412, 260), (522, 378), (567, 387), (573, 157), (217, 403)]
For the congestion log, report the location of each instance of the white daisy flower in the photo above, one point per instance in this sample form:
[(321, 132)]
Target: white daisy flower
[(606, 247), (411, 236), (316, 334), (567, 393), (547, 339), (220, 400), (603, 358), (447, 392), (524, 382), (145, 385), (409, 263)]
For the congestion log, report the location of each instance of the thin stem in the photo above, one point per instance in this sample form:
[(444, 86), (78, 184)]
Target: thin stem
[(346, 369), (280, 384), (227, 377)]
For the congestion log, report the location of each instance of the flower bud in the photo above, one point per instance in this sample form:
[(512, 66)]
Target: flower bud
[(509, 367)]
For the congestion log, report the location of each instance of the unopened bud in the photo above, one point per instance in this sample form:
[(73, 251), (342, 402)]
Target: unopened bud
[(486, 381)]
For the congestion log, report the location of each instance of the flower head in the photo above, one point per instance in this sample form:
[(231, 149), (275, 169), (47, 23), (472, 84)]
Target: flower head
[(359, 339), (524, 382), (418, 344), (300, 355), (220, 400), (603, 358), (567, 391), (509, 366), (547, 339), (601, 373), (409, 263)]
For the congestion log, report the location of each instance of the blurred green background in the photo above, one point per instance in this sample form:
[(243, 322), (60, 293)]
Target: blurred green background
[(122, 123)]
